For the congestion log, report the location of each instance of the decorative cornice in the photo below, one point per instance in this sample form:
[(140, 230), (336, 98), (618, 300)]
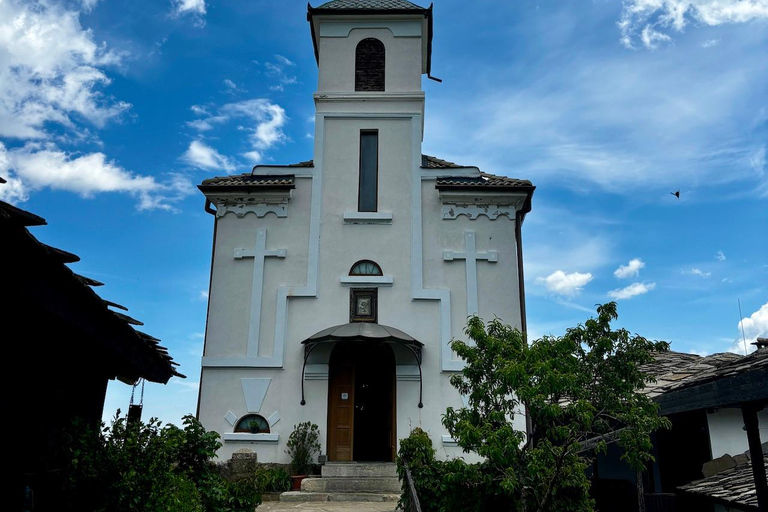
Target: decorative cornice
[(259, 203), (476, 203)]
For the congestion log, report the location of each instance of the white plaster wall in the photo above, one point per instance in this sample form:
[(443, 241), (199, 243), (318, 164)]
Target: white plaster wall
[(230, 295), (726, 431), (398, 118), (403, 64)]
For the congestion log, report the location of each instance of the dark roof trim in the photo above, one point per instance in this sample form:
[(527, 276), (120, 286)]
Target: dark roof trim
[(248, 182), (124, 344), (20, 216)]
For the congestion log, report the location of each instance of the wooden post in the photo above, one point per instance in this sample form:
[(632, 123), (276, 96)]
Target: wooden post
[(749, 413)]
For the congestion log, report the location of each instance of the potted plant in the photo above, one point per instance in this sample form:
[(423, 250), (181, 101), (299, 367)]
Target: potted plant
[(303, 444)]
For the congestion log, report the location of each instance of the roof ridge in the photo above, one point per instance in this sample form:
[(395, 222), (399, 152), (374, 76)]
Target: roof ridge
[(373, 5)]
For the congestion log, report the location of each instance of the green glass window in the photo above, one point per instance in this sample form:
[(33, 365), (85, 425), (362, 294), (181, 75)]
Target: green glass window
[(369, 171), (252, 423), (365, 268)]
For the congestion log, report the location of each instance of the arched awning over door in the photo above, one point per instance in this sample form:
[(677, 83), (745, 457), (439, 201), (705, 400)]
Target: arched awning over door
[(362, 332)]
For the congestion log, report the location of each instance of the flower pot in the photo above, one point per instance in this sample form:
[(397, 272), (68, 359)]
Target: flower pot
[(296, 482)]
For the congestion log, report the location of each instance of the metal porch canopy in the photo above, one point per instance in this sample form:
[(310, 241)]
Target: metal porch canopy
[(362, 332)]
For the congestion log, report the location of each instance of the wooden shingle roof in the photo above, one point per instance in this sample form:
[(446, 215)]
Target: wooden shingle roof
[(43, 277)]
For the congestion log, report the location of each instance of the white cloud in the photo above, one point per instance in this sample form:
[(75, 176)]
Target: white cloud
[(89, 5), (229, 83), (709, 43), (631, 291), (266, 118), (643, 17), (698, 272), (757, 159), (34, 167), (565, 284), (13, 190), (720, 256), (651, 38), (253, 157), (755, 326), (51, 71), (195, 8), (204, 157), (203, 294), (284, 60), (277, 72), (645, 115), (632, 269)]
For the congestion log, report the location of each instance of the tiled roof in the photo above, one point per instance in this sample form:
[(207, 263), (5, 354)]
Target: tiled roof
[(373, 5), (485, 180), (675, 370), (251, 180), (431, 162), (734, 486)]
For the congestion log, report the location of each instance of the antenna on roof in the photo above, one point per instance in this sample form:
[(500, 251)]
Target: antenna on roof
[(741, 323)]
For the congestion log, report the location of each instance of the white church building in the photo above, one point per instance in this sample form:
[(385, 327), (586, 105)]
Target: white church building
[(338, 283)]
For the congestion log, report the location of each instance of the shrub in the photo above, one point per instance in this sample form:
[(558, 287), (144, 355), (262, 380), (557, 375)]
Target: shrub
[(303, 444), (443, 486), (139, 466), (272, 480)]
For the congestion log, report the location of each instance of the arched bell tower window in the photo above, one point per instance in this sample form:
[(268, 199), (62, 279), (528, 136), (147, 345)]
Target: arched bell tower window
[(369, 65), (365, 268)]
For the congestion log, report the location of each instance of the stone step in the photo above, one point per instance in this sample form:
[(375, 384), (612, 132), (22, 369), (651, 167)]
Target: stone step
[(301, 496), (359, 470), (349, 484)]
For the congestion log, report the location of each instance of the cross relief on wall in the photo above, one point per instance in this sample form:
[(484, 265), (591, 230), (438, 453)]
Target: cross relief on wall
[(471, 257), (258, 253)]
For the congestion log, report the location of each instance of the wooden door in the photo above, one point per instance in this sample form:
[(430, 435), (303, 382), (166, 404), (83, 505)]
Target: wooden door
[(341, 408)]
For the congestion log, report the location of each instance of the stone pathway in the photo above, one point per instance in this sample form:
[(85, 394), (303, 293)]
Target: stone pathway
[(328, 506)]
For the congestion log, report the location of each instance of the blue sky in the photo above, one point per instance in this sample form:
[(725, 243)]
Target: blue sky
[(111, 112)]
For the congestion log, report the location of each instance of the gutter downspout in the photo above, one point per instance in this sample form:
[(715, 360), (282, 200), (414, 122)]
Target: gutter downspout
[(210, 210), (519, 216)]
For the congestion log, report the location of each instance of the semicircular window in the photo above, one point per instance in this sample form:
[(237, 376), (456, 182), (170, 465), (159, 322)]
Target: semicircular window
[(365, 268), (252, 423)]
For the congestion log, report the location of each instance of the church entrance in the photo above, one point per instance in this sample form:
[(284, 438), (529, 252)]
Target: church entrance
[(361, 402)]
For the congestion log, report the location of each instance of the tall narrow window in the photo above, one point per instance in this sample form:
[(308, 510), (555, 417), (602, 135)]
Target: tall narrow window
[(369, 65), (369, 171)]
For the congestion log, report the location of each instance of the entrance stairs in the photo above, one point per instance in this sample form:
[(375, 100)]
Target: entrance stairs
[(350, 481)]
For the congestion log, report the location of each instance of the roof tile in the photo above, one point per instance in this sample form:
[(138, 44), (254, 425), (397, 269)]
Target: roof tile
[(248, 179)]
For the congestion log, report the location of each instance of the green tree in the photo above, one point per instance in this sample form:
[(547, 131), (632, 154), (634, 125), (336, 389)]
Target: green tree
[(574, 388)]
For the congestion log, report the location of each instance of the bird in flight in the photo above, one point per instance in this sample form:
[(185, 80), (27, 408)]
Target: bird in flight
[(676, 194)]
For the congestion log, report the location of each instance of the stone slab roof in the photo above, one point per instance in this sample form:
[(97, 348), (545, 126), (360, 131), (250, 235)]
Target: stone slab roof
[(675, 370), (373, 5), (734, 486)]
